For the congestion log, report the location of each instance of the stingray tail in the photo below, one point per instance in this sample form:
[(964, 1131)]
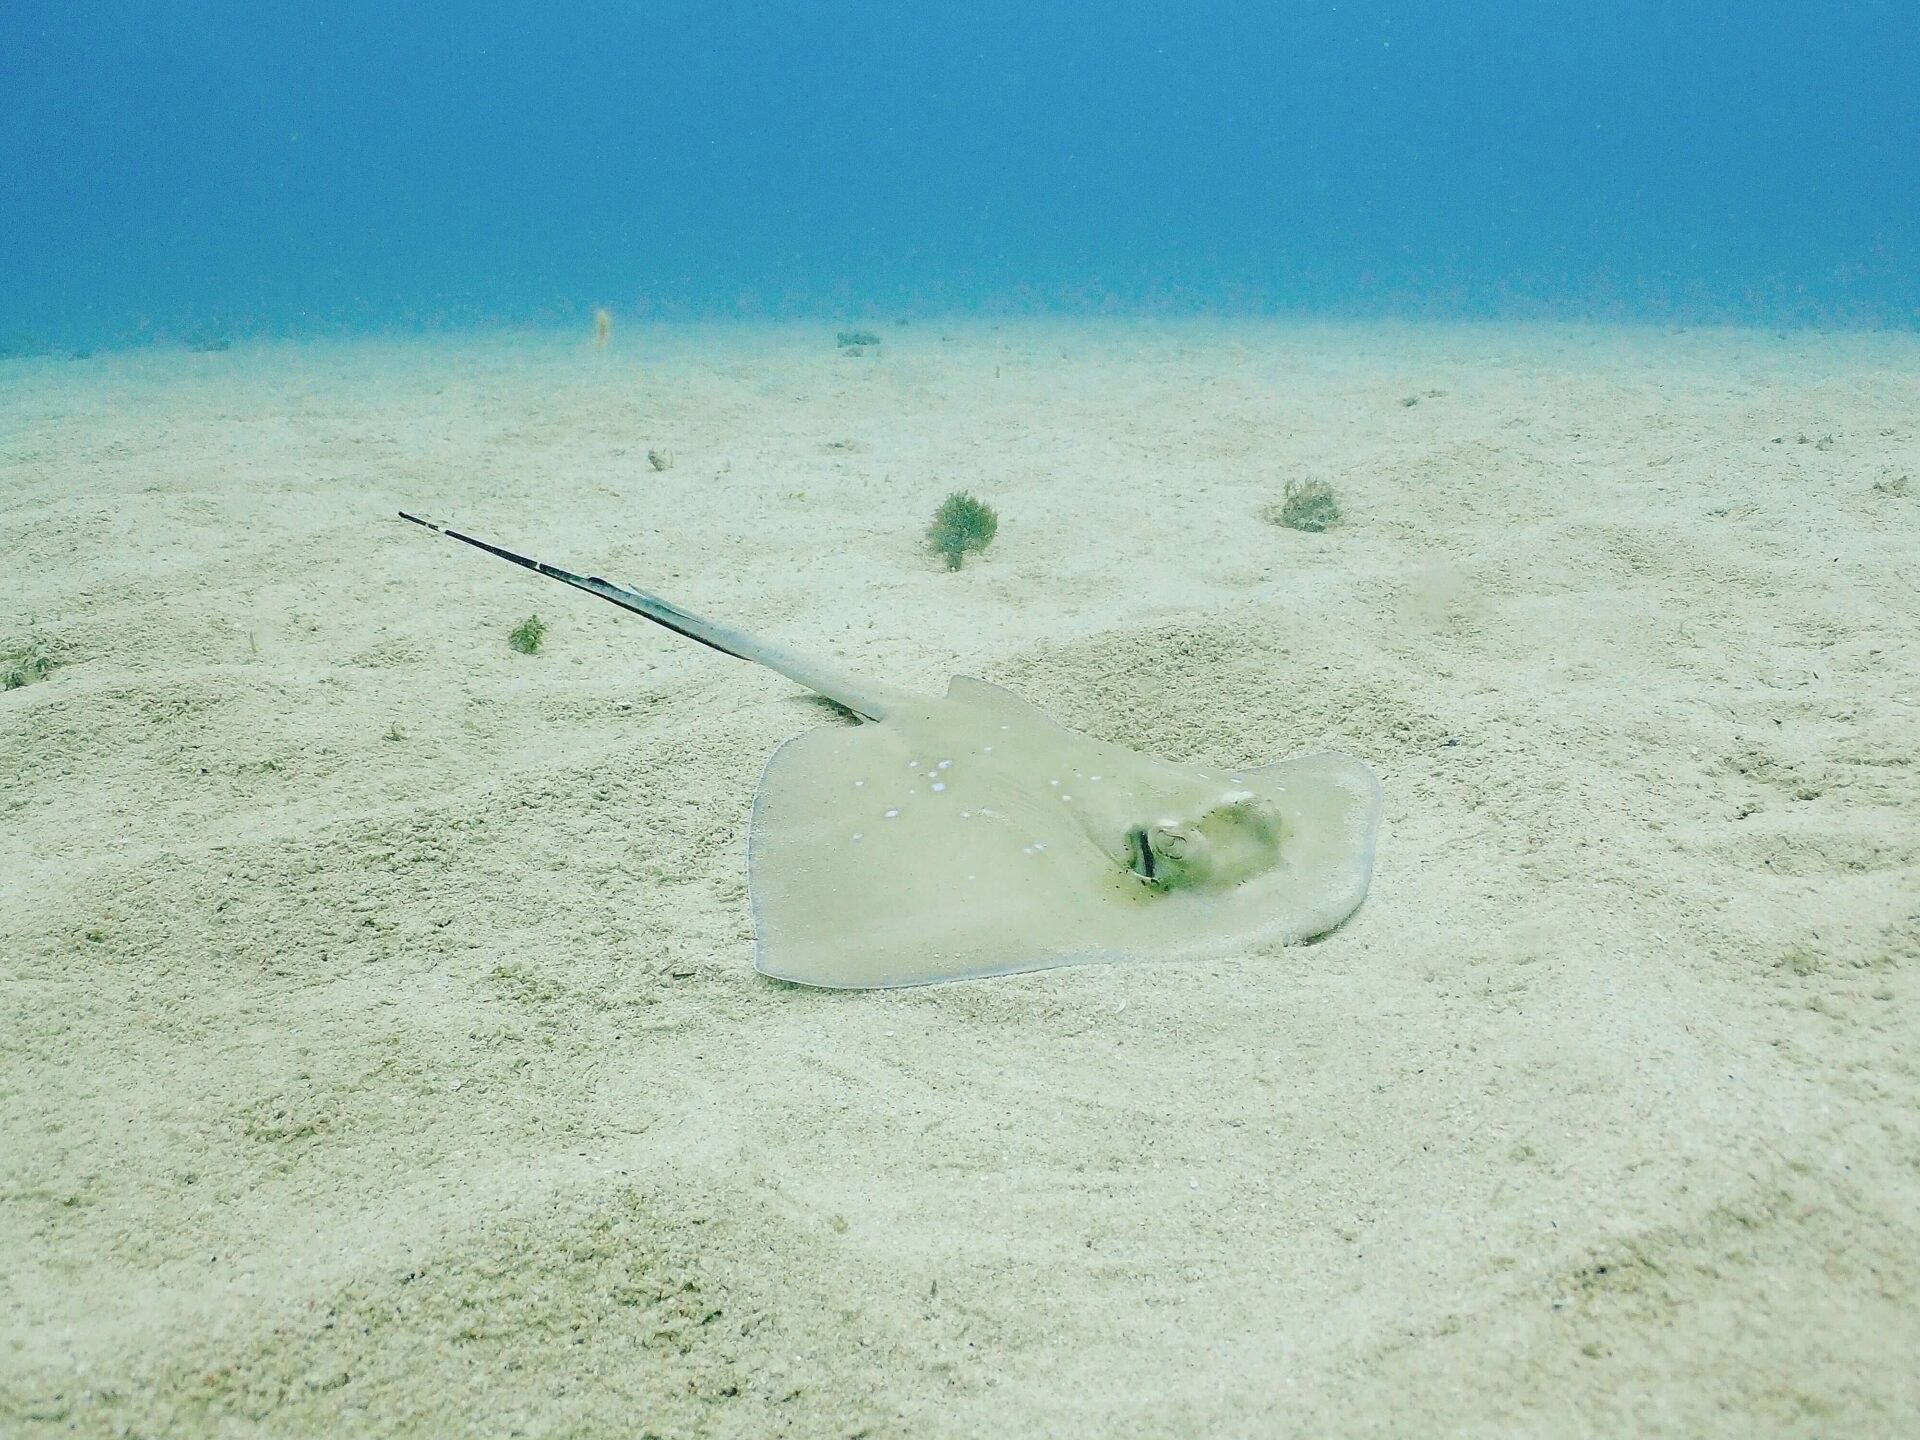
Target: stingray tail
[(868, 702)]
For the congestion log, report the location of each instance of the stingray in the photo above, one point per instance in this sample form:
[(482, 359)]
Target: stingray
[(968, 835)]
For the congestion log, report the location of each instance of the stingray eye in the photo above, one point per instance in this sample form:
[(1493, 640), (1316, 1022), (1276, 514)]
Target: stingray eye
[(1170, 855)]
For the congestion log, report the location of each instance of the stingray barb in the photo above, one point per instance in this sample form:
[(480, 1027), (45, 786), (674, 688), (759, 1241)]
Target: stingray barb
[(964, 835)]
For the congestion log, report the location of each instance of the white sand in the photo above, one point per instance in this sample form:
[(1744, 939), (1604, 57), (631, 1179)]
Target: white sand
[(381, 1052)]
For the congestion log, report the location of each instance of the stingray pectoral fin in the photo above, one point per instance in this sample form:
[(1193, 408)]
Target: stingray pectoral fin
[(1331, 804), (862, 875), (985, 695)]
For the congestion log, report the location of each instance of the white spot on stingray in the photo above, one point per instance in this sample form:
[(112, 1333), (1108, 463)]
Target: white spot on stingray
[(893, 813), (939, 785)]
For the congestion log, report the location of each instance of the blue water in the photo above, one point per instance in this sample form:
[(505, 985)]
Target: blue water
[(205, 167)]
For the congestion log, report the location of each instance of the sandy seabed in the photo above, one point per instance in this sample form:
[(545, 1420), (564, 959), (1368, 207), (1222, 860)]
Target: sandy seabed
[(381, 1051)]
